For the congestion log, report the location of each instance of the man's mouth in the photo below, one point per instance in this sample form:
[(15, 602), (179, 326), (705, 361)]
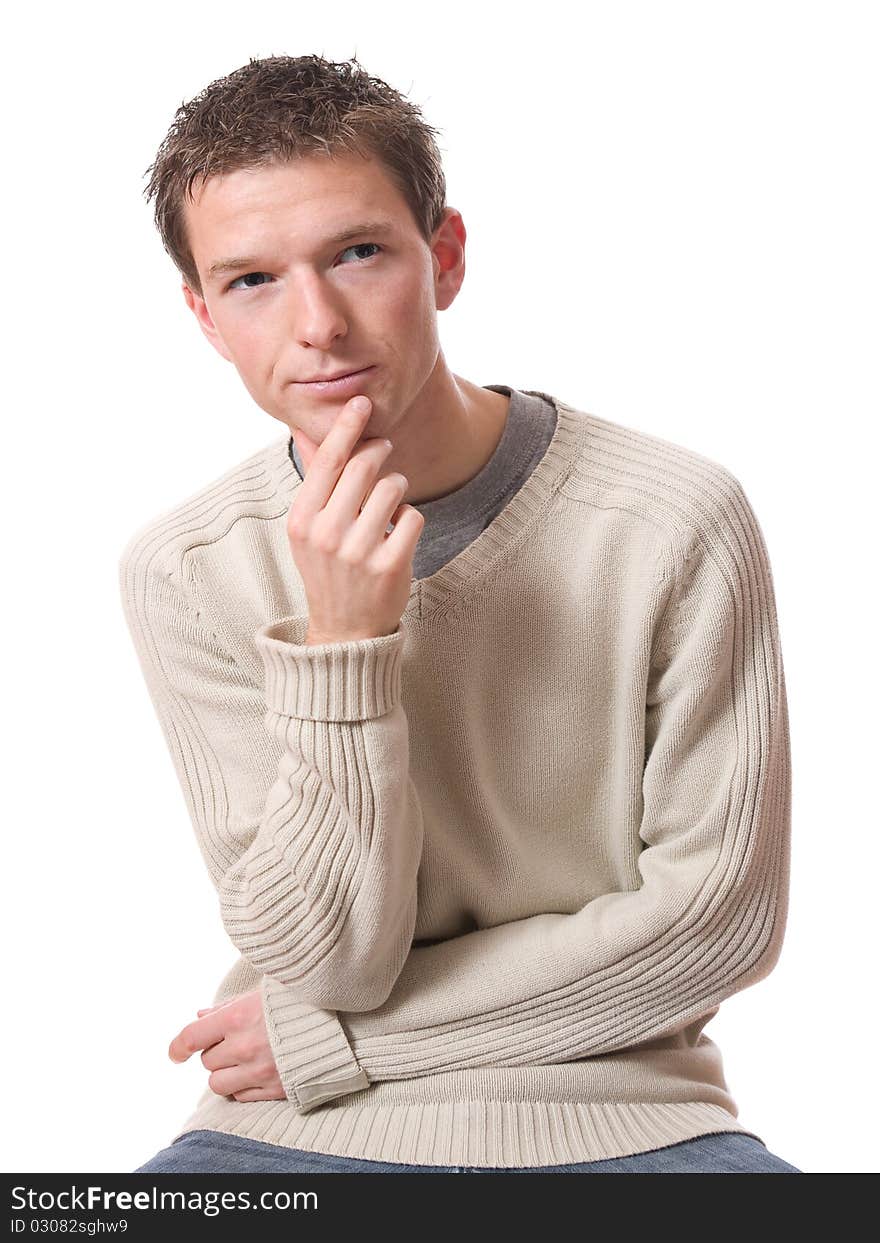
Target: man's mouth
[(350, 380)]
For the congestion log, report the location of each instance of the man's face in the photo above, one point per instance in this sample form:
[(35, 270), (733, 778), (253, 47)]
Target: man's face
[(304, 305)]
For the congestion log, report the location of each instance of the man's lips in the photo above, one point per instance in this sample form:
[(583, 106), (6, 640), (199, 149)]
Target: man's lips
[(349, 382), (339, 375)]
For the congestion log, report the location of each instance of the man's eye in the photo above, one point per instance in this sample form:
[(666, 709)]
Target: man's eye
[(363, 246), (232, 284), (358, 246)]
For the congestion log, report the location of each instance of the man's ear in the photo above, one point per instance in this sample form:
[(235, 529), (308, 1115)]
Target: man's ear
[(203, 315), (447, 257)]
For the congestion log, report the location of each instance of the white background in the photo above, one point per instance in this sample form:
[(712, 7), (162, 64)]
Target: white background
[(672, 215)]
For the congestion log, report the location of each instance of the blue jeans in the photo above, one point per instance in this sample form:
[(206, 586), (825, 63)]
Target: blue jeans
[(215, 1152)]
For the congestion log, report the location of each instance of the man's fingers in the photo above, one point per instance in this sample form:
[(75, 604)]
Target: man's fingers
[(199, 1035), (330, 458)]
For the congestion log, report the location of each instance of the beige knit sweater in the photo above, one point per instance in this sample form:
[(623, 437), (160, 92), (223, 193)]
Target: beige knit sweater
[(495, 872)]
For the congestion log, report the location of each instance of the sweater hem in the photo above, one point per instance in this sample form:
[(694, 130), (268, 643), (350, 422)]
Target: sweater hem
[(490, 1134)]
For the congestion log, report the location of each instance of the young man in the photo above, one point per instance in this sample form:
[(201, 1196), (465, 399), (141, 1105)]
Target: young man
[(476, 699)]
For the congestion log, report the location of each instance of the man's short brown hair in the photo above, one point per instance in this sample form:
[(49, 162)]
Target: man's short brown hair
[(275, 110)]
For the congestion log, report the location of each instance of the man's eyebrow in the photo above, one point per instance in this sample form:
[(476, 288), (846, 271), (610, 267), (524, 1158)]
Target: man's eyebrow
[(236, 262)]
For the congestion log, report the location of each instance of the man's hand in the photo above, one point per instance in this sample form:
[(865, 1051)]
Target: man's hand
[(356, 576), (237, 1051)]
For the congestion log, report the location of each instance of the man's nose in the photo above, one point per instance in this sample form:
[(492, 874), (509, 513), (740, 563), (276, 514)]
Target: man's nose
[(315, 314)]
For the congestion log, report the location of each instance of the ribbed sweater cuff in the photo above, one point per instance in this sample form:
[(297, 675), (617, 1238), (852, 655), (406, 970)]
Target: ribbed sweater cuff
[(352, 681), (314, 1058)]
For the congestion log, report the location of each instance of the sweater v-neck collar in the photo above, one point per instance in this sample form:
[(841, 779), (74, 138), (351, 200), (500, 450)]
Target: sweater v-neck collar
[(511, 524)]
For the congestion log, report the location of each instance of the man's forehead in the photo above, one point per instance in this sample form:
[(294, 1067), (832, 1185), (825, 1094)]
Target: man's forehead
[(240, 210), (310, 175)]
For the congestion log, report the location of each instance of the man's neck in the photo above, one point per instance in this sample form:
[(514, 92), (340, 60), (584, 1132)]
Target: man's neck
[(446, 438)]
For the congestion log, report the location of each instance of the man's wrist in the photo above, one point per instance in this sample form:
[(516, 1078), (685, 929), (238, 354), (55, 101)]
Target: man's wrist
[(313, 640)]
